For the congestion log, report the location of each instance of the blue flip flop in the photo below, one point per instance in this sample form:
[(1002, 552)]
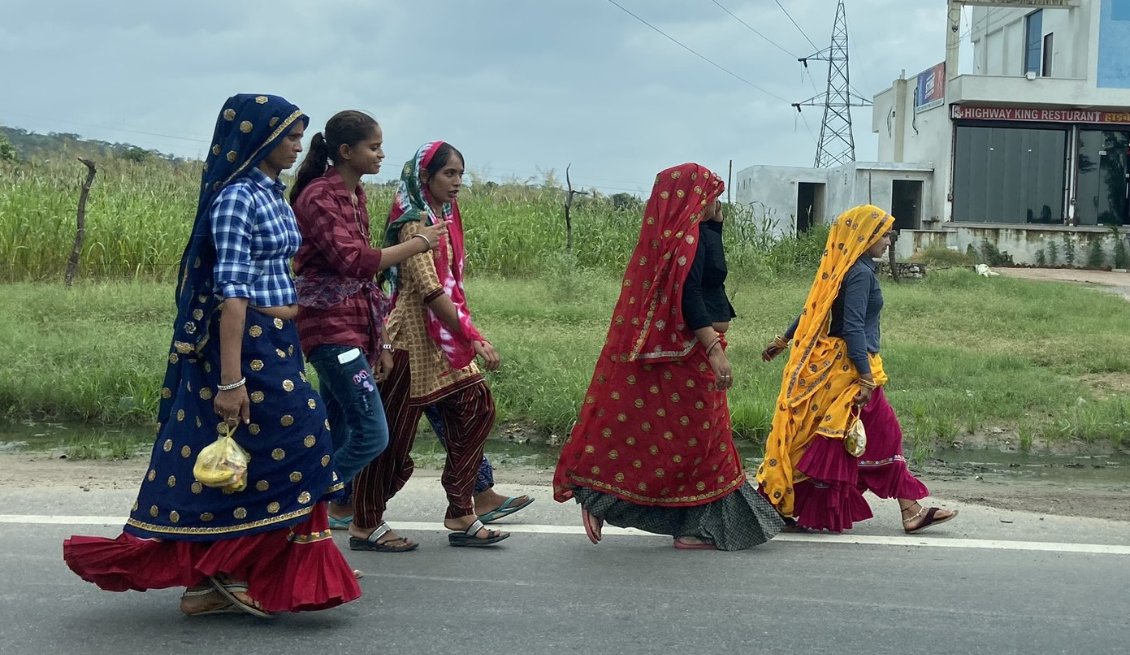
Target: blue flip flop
[(340, 524), (505, 509)]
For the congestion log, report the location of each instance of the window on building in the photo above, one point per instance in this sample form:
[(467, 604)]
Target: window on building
[(906, 203), (1102, 188), (1009, 174), (1033, 40), (1046, 67), (809, 205)]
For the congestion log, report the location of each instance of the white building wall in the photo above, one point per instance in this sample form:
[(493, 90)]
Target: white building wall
[(771, 191), (926, 141), (999, 40)]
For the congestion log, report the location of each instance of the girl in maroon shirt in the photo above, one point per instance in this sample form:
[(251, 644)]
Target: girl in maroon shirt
[(341, 306)]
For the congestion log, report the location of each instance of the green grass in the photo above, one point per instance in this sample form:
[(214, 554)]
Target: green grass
[(104, 447), (965, 354)]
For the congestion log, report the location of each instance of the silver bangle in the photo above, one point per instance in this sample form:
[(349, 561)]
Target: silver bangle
[(234, 385), (425, 240)]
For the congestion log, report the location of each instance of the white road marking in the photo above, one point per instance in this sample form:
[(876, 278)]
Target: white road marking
[(935, 541)]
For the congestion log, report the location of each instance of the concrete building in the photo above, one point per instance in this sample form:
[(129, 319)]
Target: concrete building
[(1030, 148)]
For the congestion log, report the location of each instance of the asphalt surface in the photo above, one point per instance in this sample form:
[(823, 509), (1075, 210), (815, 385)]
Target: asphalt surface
[(988, 582)]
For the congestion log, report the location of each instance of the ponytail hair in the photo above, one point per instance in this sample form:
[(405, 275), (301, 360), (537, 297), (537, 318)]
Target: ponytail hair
[(313, 166), (345, 128)]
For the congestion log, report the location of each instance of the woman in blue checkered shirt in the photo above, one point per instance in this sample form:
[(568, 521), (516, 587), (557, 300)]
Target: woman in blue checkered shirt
[(261, 544)]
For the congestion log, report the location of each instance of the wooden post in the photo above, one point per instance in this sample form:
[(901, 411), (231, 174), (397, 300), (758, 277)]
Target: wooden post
[(891, 256), (80, 230), (569, 193), (729, 180)]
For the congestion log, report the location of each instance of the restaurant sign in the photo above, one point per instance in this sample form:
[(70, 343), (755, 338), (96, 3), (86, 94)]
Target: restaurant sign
[(1039, 115)]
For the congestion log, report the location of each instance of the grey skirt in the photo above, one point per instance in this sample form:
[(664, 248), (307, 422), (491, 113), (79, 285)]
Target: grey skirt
[(742, 519)]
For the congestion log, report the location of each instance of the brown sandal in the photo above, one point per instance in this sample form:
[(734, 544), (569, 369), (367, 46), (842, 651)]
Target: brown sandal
[(195, 598), (928, 520), (232, 590)]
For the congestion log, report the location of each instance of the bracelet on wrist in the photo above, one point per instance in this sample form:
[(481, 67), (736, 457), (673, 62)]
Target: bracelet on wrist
[(426, 241), (713, 344), (234, 385), (867, 383), (780, 342)]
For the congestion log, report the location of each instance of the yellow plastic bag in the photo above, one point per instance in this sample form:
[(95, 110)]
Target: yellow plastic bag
[(855, 442), (222, 464)]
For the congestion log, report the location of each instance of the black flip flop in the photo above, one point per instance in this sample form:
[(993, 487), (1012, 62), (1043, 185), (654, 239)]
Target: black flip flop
[(469, 538)]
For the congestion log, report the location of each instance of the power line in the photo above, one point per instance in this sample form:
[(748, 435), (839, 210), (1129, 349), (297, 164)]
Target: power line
[(813, 44), (811, 80), (984, 22), (752, 29), (837, 143), (697, 54), (809, 128), (810, 42)]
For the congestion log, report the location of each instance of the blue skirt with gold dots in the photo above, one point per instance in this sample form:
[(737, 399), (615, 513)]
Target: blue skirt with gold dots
[(291, 467)]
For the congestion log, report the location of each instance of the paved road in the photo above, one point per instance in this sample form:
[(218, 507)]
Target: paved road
[(1036, 584)]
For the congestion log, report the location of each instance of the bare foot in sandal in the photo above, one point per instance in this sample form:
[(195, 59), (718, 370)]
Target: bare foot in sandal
[(916, 518), (470, 531), (380, 539), (236, 594), (202, 601)]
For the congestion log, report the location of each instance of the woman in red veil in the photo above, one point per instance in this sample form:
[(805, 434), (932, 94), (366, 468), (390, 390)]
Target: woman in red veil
[(653, 447)]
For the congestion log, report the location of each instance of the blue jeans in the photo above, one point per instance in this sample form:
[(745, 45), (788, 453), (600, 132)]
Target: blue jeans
[(353, 406), (485, 478)]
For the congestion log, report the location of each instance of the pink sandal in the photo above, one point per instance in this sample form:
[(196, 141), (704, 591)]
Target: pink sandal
[(681, 543), (593, 526)]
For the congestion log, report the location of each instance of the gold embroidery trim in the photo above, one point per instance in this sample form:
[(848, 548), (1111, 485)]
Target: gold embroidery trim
[(604, 486), (164, 529)]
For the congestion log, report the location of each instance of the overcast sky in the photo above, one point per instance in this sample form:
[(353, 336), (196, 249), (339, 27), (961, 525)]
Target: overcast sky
[(520, 86)]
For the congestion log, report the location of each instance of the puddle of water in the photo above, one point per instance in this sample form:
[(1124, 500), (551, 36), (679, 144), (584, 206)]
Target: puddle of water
[(46, 436), (1107, 470), (39, 436)]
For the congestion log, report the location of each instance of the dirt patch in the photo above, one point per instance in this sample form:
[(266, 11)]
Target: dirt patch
[(1107, 385), (39, 471), (1086, 501), (1112, 281)]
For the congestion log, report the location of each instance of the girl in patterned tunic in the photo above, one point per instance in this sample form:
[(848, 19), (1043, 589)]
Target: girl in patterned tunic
[(653, 448), (235, 364), (434, 345)]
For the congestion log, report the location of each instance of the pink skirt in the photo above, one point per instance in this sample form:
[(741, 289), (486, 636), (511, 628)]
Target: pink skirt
[(292, 569), (832, 496)]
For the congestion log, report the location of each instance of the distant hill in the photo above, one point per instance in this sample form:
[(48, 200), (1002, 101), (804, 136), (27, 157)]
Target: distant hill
[(31, 146)]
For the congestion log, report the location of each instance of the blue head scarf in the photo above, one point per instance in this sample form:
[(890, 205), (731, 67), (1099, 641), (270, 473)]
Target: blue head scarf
[(247, 130)]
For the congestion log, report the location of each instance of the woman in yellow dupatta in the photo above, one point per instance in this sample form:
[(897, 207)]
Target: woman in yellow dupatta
[(817, 463)]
